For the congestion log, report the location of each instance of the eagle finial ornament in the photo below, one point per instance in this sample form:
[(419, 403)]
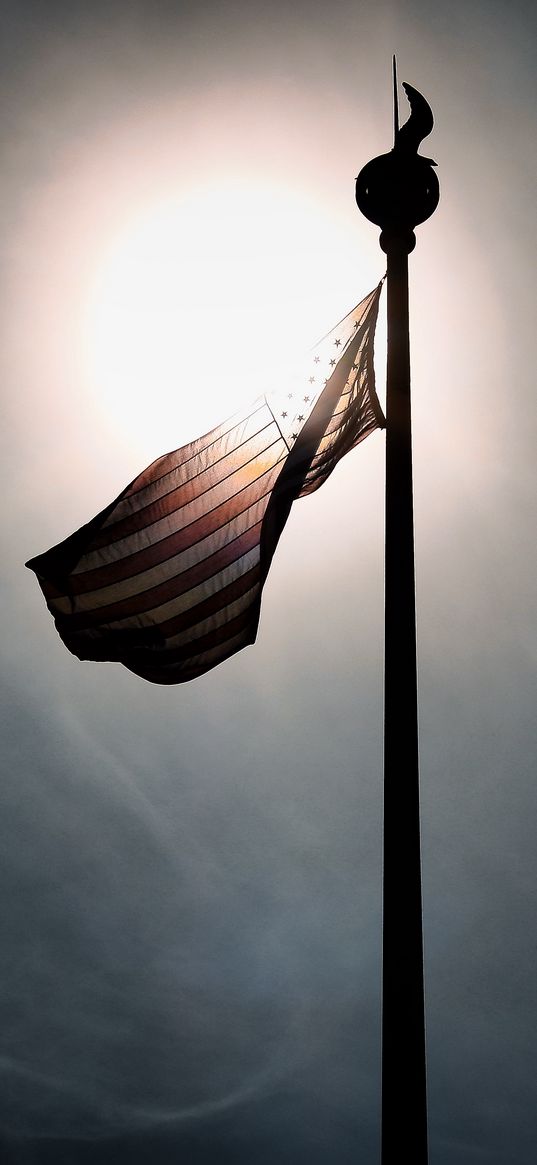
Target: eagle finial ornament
[(419, 125)]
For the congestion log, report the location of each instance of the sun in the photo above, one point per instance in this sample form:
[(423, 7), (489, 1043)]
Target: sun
[(198, 302)]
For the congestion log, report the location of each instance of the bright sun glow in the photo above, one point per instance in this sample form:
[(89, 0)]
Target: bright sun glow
[(192, 307)]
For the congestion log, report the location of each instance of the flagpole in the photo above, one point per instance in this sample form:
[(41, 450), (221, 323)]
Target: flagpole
[(397, 191)]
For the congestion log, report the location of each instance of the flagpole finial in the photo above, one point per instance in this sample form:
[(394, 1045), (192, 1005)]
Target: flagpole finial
[(399, 190)]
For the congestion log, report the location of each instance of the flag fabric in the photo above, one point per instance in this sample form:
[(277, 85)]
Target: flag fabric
[(167, 580)]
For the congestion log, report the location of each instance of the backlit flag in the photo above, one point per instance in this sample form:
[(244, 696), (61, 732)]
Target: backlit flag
[(167, 580)]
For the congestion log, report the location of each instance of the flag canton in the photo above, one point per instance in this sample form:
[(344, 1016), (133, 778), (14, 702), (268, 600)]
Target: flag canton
[(293, 406)]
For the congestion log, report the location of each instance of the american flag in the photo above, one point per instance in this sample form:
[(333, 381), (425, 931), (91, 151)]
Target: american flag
[(167, 580)]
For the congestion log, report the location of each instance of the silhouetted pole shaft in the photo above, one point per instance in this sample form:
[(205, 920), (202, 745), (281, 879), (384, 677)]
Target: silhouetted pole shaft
[(397, 191), (404, 1105)]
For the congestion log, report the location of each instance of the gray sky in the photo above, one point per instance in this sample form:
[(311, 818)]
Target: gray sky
[(191, 878)]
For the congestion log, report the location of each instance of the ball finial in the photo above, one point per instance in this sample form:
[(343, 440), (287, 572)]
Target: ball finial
[(399, 190)]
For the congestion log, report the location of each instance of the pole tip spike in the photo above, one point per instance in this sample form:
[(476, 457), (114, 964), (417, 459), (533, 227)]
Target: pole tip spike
[(395, 100)]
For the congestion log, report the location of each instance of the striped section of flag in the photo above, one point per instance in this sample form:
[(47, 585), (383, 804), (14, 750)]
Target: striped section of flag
[(168, 579)]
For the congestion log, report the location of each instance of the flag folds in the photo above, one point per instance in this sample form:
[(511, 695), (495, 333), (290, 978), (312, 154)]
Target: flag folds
[(167, 579)]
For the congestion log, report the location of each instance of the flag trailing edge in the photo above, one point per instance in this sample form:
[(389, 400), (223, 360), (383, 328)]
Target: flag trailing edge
[(168, 579)]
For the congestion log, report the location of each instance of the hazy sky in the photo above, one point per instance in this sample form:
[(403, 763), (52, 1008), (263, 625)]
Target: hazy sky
[(192, 878)]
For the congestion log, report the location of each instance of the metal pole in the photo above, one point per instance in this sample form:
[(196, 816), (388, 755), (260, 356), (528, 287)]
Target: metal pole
[(404, 1105), (397, 191)]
